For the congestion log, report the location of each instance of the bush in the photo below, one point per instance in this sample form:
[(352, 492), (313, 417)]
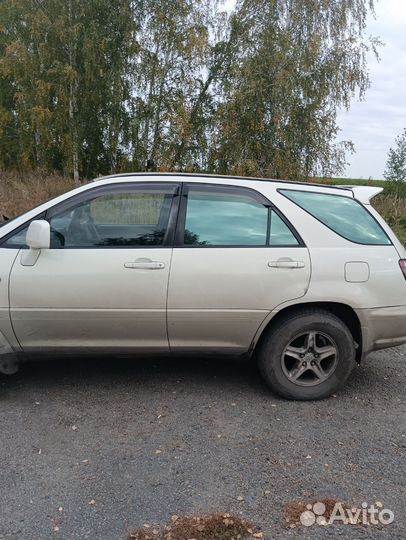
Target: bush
[(396, 165)]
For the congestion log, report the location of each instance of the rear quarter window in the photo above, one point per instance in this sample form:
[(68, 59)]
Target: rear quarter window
[(345, 216)]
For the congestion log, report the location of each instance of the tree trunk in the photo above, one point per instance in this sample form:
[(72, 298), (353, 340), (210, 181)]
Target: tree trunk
[(73, 86), (157, 116), (74, 132), (221, 62), (148, 115)]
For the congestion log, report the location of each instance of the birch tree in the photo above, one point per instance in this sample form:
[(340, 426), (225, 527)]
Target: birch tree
[(95, 87)]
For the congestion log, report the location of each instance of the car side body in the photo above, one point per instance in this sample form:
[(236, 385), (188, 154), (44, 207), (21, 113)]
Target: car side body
[(163, 263)]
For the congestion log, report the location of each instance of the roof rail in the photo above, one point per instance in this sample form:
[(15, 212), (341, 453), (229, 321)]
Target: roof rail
[(207, 175)]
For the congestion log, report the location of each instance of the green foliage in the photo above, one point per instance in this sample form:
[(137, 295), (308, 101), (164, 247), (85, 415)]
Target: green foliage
[(396, 165), (63, 65), (88, 88), (299, 60)]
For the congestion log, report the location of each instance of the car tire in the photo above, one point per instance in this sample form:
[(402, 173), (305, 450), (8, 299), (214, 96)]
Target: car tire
[(307, 355), (9, 363)]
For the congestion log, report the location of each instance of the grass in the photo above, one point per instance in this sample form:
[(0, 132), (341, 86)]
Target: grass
[(21, 192), (351, 181), (393, 209)]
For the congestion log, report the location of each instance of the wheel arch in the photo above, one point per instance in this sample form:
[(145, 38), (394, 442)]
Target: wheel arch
[(343, 311)]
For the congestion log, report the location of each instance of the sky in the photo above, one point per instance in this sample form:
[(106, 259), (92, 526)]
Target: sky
[(374, 123)]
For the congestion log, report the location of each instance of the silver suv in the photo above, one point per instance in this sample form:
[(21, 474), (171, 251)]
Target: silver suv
[(305, 279)]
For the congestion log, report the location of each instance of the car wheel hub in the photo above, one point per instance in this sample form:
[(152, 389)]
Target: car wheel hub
[(310, 358)]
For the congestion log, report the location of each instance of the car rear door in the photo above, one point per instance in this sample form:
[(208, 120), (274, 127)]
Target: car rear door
[(103, 283), (235, 259)]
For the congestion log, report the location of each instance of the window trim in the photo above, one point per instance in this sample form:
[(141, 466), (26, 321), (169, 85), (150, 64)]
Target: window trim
[(260, 197), (282, 190)]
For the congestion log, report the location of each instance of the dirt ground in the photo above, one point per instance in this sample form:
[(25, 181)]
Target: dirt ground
[(96, 449)]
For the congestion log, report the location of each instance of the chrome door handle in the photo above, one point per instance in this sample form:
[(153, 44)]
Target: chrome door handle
[(145, 264), (286, 264)]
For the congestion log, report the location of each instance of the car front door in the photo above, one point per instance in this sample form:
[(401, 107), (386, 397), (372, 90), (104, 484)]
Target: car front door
[(103, 283), (236, 258)]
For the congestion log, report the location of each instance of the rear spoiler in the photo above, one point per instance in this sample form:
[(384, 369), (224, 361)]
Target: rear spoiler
[(364, 194)]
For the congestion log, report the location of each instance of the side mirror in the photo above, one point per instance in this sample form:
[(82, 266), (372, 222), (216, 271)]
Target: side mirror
[(39, 235)]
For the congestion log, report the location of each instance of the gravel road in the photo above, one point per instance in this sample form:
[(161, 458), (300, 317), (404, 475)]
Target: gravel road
[(92, 449)]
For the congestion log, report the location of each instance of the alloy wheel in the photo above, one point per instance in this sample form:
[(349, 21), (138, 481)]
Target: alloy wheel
[(310, 358)]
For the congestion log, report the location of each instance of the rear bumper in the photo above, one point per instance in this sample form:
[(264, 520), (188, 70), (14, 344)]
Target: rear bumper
[(382, 327)]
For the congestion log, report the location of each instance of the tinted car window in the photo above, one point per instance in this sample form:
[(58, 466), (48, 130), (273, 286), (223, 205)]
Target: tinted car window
[(280, 234), (133, 218), (17, 240), (224, 218), (344, 215)]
